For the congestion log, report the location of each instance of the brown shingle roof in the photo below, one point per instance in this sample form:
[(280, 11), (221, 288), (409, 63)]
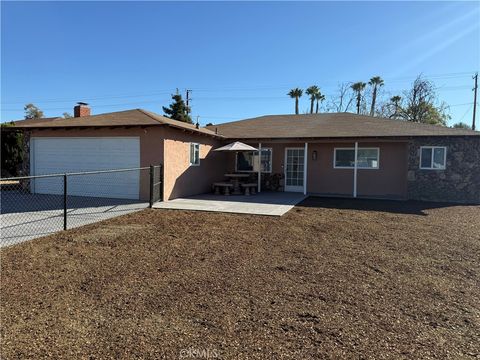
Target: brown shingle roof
[(27, 122), (330, 125), (135, 117)]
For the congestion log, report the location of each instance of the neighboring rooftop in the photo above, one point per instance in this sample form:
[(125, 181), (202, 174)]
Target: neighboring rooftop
[(135, 117), (330, 125)]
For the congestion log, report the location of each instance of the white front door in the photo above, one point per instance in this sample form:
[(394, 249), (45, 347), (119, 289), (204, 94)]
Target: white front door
[(294, 168)]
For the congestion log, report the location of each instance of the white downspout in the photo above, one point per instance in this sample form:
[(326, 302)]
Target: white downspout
[(355, 168), (305, 162), (259, 187)]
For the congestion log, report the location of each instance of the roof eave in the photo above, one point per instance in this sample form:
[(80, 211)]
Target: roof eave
[(286, 139), (72, 127), (195, 131)]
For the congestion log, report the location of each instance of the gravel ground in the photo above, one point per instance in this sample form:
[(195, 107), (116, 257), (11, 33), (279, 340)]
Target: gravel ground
[(330, 279)]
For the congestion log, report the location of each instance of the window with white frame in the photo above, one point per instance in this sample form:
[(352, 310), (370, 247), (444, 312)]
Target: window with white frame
[(194, 154), (367, 158), (247, 161), (433, 157)]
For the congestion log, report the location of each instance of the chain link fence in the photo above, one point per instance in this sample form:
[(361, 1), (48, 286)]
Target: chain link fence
[(35, 206)]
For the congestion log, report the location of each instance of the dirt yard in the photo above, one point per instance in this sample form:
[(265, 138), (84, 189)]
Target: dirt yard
[(330, 279)]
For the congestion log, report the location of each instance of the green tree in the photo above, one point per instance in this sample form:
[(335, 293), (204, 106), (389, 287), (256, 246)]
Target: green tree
[(32, 112), (296, 94), (435, 115), (375, 82), (421, 104), (319, 98), (11, 150), (461, 125), (358, 88), (177, 110), (312, 91)]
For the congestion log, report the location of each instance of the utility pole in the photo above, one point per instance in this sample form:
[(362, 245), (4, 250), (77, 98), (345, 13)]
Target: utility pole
[(475, 100), (187, 97)]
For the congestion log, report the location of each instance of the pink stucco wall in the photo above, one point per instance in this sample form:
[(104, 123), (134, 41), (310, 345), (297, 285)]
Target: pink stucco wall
[(168, 146), (182, 179), (390, 180), (172, 148)]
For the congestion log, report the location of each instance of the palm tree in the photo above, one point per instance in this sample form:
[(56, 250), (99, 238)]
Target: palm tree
[(396, 104), (312, 91), (296, 94), (319, 97), (376, 82), (358, 87)]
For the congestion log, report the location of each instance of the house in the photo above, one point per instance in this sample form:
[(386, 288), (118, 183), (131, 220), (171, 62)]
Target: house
[(313, 154)]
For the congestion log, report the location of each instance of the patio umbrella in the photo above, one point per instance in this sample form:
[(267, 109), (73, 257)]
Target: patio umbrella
[(236, 146)]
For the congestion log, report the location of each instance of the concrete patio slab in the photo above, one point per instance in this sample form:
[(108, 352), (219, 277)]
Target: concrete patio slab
[(264, 203)]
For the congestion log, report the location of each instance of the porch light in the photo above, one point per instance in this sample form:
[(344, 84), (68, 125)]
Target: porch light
[(314, 155)]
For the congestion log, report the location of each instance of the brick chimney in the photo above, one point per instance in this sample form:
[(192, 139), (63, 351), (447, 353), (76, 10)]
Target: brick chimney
[(81, 109)]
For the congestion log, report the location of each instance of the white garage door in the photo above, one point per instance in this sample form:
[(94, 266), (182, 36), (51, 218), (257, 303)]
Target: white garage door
[(63, 155)]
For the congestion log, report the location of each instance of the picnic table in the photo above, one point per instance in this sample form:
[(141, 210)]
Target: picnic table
[(236, 181)]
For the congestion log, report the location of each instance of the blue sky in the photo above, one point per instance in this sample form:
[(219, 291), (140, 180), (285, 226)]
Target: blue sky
[(240, 59)]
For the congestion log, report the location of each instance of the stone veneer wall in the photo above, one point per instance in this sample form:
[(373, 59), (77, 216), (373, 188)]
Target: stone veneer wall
[(459, 182)]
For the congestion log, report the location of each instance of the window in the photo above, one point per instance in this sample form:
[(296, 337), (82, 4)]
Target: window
[(367, 158), (344, 158), (247, 161), (194, 154), (433, 157)]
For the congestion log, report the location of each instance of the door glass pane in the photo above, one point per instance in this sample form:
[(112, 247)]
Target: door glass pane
[(294, 167)]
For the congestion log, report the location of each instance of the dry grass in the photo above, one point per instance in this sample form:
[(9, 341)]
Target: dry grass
[(330, 279)]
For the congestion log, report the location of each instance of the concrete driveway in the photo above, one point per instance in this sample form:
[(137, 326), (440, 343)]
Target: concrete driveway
[(29, 216)]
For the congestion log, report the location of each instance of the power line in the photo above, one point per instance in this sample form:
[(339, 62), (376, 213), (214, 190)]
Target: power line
[(218, 117), (249, 88), (466, 112), (98, 106), (156, 102), (464, 104), (89, 98), (448, 88), (208, 98)]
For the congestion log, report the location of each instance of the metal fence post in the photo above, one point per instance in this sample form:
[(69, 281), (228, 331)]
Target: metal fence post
[(152, 181), (161, 182), (64, 201)]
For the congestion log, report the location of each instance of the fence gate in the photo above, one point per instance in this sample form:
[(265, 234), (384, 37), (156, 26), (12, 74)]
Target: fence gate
[(156, 184)]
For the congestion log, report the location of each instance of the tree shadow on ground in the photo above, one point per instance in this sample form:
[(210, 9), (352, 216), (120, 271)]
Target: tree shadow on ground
[(412, 207)]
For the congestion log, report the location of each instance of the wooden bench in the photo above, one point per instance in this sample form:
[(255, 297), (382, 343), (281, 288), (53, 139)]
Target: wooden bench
[(249, 188), (222, 185)]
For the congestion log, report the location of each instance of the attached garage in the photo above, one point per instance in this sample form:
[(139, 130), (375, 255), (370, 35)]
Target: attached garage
[(58, 155)]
